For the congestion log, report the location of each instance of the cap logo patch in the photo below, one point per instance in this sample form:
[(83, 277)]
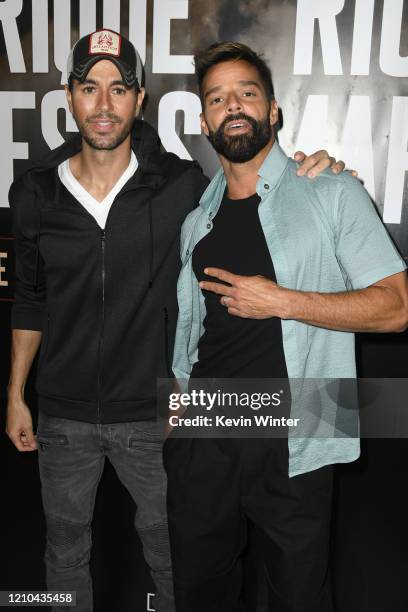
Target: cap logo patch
[(104, 42)]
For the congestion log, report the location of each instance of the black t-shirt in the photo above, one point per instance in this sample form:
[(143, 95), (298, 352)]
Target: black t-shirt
[(231, 346)]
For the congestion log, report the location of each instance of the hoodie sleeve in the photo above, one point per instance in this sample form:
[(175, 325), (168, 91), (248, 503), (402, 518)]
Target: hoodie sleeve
[(28, 308)]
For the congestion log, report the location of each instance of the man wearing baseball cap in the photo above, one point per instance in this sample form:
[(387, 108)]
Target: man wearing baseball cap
[(97, 245)]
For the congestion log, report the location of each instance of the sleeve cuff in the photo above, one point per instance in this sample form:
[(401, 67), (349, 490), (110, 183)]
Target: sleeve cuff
[(24, 318), (373, 276)]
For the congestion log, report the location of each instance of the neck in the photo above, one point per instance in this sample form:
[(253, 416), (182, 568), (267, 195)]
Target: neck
[(242, 178), (99, 170)]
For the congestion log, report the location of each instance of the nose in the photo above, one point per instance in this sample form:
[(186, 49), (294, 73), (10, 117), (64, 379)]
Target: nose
[(104, 102), (234, 104)]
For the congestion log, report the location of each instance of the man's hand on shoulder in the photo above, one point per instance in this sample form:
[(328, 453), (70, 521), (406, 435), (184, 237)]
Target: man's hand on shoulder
[(312, 165), (19, 426)]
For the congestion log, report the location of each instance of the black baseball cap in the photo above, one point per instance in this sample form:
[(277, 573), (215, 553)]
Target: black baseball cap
[(105, 44)]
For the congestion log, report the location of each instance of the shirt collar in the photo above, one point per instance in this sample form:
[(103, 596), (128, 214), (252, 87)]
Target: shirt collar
[(269, 173), (272, 169)]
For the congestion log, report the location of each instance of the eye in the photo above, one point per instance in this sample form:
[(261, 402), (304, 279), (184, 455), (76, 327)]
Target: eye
[(216, 100), (88, 89), (119, 91), (249, 93)]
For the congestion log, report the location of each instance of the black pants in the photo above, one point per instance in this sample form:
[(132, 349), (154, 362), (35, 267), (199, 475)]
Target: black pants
[(216, 487)]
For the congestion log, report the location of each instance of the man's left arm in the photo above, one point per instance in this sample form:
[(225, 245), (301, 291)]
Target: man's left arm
[(378, 301), (381, 307)]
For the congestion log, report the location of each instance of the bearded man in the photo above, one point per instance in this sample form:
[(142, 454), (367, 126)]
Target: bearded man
[(278, 272)]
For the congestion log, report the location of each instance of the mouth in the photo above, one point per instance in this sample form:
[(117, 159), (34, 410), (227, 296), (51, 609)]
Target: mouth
[(237, 126), (103, 125)]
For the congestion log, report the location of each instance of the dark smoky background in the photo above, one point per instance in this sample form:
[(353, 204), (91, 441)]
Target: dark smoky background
[(267, 26)]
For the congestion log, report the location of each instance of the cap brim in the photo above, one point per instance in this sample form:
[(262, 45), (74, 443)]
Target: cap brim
[(81, 70)]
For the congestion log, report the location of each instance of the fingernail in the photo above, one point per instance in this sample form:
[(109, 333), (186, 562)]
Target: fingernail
[(310, 174)]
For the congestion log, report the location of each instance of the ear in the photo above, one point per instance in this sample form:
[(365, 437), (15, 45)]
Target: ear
[(274, 112), (68, 94), (139, 100), (204, 126)]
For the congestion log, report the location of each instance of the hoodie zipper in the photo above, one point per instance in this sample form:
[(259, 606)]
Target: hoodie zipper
[(81, 210), (103, 273)]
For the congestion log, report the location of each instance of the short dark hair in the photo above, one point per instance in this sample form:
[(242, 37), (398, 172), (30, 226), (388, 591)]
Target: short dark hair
[(231, 51)]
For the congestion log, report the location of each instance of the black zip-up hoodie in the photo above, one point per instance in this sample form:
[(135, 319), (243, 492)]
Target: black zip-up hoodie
[(105, 301)]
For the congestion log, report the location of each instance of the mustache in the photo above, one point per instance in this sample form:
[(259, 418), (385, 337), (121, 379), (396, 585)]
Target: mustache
[(104, 117)]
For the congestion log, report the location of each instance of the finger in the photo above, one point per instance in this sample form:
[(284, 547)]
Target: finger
[(310, 162), (228, 301), (16, 440), (299, 156), (223, 275), (319, 167), (354, 172), (216, 288), (337, 167), (237, 313)]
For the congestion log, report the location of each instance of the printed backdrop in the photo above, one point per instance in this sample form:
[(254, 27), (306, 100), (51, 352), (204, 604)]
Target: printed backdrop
[(340, 71)]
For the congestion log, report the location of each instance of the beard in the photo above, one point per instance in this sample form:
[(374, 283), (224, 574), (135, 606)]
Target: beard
[(243, 147), (104, 142)]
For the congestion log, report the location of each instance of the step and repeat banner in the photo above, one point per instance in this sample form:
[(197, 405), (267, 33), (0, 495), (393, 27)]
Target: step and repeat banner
[(340, 71), (339, 68)]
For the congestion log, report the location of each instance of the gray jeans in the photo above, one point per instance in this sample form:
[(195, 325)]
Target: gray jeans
[(71, 459)]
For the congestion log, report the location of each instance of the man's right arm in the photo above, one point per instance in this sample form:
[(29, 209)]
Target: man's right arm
[(19, 426), (28, 310)]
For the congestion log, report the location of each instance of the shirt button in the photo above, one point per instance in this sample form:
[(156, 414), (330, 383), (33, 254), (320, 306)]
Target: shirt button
[(208, 225), (187, 252), (266, 186), (210, 215)]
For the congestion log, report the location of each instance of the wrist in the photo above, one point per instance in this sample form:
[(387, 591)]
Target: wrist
[(298, 305), (15, 392), (287, 303)]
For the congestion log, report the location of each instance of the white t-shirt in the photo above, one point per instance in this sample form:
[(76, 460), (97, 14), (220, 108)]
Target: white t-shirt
[(99, 210)]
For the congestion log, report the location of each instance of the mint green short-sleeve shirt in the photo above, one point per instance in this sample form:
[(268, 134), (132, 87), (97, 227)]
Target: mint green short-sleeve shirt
[(323, 235)]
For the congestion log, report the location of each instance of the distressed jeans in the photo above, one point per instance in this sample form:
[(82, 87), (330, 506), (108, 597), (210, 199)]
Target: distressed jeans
[(71, 460)]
